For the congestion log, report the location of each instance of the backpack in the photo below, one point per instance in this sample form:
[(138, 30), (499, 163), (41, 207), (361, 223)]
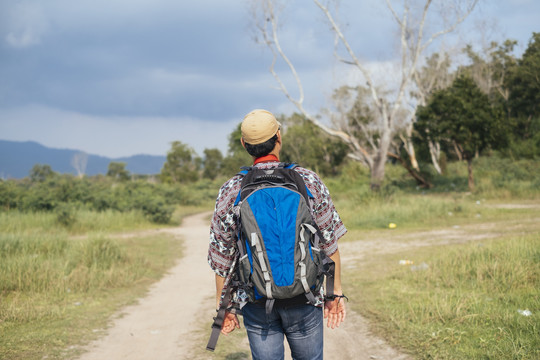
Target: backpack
[(277, 242)]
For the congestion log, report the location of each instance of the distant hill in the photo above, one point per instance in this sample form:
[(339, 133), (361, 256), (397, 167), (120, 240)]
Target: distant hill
[(18, 158)]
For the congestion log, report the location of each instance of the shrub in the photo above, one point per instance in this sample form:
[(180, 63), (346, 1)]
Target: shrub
[(158, 212), (65, 215)]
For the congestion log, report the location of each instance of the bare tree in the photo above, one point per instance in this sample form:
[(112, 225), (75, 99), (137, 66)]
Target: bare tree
[(79, 162), (490, 65), (392, 115)]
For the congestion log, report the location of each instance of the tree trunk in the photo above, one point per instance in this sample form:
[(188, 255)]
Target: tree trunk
[(435, 152), (409, 146), (412, 156), (458, 151), (416, 175), (379, 163), (377, 174), (471, 177)]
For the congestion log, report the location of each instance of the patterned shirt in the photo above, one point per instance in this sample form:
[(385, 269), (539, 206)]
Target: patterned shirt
[(222, 249)]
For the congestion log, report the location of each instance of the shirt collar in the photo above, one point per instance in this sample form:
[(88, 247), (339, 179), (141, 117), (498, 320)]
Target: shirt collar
[(266, 158)]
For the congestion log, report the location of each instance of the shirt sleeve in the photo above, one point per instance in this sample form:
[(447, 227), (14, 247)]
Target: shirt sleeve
[(221, 250), (324, 212)]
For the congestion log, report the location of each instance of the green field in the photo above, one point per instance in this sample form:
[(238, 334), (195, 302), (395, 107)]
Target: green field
[(475, 271), (58, 286)]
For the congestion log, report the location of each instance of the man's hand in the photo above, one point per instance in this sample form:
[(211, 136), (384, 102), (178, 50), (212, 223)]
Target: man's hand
[(335, 311), (229, 323)]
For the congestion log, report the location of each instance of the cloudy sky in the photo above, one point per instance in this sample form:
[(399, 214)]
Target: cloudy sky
[(124, 77)]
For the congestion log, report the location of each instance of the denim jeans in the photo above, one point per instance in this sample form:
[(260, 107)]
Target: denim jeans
[(301, 324)]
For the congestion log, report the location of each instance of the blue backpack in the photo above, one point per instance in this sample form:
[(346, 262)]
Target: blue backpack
[(278, 240), (278, 243)]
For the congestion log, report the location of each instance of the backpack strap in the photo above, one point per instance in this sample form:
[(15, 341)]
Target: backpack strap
[(218, 321)]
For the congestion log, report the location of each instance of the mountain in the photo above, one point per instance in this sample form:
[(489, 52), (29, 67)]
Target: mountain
[(18, 158)]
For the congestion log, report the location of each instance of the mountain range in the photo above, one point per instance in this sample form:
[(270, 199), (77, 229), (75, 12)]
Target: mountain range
[(18, 158)]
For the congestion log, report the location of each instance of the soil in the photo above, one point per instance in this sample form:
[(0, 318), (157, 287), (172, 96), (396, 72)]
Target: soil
[(166, 324)]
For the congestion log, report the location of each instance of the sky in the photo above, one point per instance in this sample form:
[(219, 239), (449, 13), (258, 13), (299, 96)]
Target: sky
[(124, 77)]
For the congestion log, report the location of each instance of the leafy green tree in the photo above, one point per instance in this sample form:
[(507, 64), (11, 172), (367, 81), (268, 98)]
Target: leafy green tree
[(524, 99), (309, 146), (462, 116), (212, 163), (182, 164), (9, 194), (236, 154), (117, 171), (41, 173)]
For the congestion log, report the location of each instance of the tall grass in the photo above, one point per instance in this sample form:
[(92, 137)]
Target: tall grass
[(84, 221), (55, 289), (401, 202), (464, 303)]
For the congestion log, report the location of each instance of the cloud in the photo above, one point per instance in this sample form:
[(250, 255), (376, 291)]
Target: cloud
[(116, 136), (24, 24), (113, 67)]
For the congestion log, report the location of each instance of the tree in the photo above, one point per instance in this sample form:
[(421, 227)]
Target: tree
[(309, 146), (41, 173), (182, 164), (433, 76), (236, 154), (462, 115), (212, 163), (490, 67), (117, 171), (390, 105), (523, 83)]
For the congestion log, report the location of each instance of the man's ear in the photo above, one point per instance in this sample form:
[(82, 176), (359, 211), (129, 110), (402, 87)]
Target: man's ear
[(243, 142)]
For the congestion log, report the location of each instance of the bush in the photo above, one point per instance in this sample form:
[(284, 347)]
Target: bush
[(158, 212), (65, 215)]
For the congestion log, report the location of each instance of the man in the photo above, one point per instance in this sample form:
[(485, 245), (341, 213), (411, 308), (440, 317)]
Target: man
[(299, 321)]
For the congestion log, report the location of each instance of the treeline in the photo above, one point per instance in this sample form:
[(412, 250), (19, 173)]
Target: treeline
[(46, 190), (489, 107), (491, 104)]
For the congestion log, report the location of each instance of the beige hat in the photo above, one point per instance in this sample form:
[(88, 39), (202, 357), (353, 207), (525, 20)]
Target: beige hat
[(259, 126)]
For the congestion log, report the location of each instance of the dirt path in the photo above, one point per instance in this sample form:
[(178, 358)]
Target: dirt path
[(160, 325), (166, 324)]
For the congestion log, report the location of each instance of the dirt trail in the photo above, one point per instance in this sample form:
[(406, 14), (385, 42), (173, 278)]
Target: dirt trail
[(160, 325), (166, 323)]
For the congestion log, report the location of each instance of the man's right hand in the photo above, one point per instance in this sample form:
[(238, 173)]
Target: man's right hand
[(335, 311), (229, 323)]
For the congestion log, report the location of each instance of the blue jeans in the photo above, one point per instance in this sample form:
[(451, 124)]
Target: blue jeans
[(301, 324)]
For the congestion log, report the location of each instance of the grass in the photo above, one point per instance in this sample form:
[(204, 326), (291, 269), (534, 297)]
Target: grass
[(457, 301), (463, 302), (56, 290), (87, 221), (15, 222), (61, 280)]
